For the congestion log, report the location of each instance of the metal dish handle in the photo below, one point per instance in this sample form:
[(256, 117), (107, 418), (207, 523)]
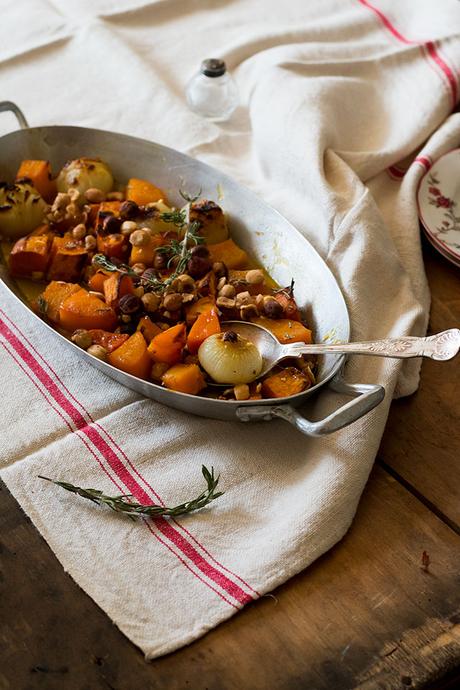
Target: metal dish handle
[(366, 397), (10, 107)]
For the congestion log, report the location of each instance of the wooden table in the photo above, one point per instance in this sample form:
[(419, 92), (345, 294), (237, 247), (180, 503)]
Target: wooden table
[(367, 615)]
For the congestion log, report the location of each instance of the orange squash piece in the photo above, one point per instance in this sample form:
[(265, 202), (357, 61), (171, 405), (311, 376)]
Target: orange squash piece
[(68, 258), (108, 340), (115, 287), (54, 296), (193, 311), (82, 310), (167, 346), (285, 330), (186, 378), (148, 329), (145, 253), (144, 192), (39, 173), (107, 208), (97, 280), (206, 324), (115, 245), (132, 357), (289, 381), (31, 254), (229, 253)]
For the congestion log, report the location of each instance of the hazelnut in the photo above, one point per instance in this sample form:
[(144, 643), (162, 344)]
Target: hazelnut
[(99, 295), (187, 297), (127, 227), (139, 268), (200, 250), (272, 308), (79, 231), (255, 276), (139, 238), (74, 195), (220, 283), (94, 195), (160, 261), (259, 300), (61, 201), (151, 301), (173, 301), (220, 269), (128, 210), (198, 266), (71, 210), (243, 298), (227, 291), (225, 303), (111, 225), (82, 338), (241, 391), (90, 242), (138, 291), (248, 311), (125, 318), (185, 283), (97, 351), (129, 304)]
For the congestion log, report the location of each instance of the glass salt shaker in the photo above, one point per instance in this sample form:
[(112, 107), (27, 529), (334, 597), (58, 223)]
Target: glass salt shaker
[(212, 92)]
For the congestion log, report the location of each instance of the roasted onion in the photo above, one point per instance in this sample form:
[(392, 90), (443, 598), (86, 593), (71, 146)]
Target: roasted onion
[(230, 358), (22, 209), (84, 174)]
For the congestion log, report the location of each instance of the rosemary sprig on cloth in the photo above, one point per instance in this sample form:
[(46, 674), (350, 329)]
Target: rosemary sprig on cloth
[(122, 504)]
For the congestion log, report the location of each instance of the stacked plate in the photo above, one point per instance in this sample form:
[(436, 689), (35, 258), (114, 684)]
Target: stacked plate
[(438, 201)]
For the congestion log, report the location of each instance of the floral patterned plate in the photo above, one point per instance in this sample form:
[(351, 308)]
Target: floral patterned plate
[(439, 205)]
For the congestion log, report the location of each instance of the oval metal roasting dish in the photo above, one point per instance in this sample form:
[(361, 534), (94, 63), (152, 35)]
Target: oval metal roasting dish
[(268, 237)]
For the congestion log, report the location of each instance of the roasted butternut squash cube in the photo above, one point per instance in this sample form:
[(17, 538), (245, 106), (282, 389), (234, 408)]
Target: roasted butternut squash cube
[(82, 310), (39, 173), (185, 378), (51, 300), (201, 306), (115, 245), (284, 383), (211, 220), (144, 192), (115, 287), (108, 340), (68, 258), (286, 330), (31, 255), (132, 357), (230, 254)]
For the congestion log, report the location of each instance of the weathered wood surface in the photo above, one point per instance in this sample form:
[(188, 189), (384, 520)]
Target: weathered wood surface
[(365, 616), (422, 437)]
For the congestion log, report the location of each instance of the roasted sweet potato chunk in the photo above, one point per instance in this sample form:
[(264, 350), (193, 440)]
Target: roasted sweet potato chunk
[(132, 357), (108, 340), (284, 383), (30, 255), (82, 310), (51, 300), (68, 258)]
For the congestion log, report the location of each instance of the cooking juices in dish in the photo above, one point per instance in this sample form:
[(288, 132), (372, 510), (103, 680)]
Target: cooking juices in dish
[(144, 286)]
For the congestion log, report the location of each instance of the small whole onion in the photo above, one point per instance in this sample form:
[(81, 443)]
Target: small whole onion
[(84, 174), (22, 209), (229, 358)]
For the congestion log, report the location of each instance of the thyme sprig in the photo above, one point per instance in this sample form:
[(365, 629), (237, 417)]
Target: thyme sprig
[(123, 504)]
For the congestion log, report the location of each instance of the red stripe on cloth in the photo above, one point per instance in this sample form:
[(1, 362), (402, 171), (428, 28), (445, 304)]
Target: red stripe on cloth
[(396, 172), (429, 46), (112, 440), (432, 52), (121, 471), (424, 160)]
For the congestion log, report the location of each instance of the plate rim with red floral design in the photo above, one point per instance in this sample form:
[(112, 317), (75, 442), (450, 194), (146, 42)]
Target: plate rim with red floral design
[(438, 199)]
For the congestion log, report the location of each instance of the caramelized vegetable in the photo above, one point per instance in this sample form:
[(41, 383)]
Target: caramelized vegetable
[(286, 330), (289, 381), (39, 173), (110, 341), (113, 245), (148, 329), (287, 301), (145, 253), (97, 280), (167, 346), (68, 258), (30, 255), (230, 254), (143, 192), (186, 378), (211, 219), (51, 300), (201, 306), (82, 310), (132, 356), (206, 324), (115, 287)]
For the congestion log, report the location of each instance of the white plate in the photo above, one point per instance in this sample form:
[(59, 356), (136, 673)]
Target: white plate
[(438, 201)]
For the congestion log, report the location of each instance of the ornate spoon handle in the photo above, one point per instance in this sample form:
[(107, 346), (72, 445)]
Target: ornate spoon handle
[(441, 346)]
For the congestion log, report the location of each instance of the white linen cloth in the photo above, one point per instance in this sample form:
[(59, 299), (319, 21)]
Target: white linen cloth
[(334, 95)]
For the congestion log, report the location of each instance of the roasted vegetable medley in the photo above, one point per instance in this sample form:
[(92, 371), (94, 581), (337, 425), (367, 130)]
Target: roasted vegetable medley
[(145, 286)]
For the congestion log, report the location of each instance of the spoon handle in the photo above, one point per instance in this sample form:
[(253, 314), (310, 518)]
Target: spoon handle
[(441, 346)]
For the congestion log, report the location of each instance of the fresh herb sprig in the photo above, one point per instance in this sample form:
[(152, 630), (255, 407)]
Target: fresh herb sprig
[(123, 504)]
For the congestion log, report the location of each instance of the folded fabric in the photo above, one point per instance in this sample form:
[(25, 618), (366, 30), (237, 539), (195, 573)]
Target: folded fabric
[(344, 105)]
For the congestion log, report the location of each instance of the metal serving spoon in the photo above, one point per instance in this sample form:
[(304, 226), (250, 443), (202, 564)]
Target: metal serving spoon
[(441, 346)]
